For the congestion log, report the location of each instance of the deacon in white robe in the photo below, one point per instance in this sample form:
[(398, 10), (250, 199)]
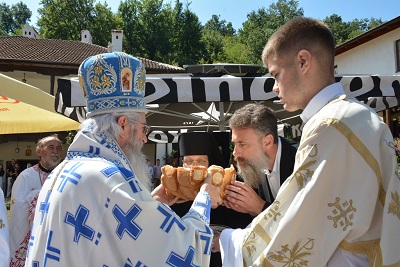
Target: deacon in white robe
[(341, 206)]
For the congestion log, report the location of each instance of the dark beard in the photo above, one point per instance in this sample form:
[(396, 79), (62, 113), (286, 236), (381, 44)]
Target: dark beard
[(133, 151), (253, 170)]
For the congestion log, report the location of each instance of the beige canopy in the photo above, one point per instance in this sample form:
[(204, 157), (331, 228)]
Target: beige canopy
[(27, 109)]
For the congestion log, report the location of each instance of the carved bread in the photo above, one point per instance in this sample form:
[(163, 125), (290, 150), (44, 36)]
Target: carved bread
[(185, 183), (217, 174), (169, 180), (229, 175)]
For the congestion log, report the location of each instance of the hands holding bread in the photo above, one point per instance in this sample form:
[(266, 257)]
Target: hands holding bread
[(242, 198), (181, 184)]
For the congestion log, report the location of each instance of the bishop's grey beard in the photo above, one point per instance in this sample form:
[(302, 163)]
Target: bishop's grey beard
[(253, 170), (133, 151)]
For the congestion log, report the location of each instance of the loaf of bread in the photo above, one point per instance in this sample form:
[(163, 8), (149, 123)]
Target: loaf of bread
[(185, 183)]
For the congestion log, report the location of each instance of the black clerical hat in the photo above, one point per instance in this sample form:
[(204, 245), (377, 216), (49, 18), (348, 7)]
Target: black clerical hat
[(201, 143)]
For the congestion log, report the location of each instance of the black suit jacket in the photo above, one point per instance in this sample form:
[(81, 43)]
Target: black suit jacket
[(288, 158)]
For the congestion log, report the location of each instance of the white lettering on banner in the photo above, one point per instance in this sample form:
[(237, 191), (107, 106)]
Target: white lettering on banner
[(367, 84), (257, 91), (212, 87), (386, 86), (377, 103), (175, 134), (296, 131), (183, 86), (163, 137), (162, 89)]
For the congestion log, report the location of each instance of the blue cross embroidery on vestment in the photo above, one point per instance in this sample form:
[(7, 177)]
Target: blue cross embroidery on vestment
[(107, 202), (44, 206), (35, 264), (177, 261), (170, 219), (129, 263), (31, 240), (112, 169), (126, 221), (69, 176), (203, 206), (79, 223), (206, 236), (134, 184), (94, 150), (51, 252), (98, 238)]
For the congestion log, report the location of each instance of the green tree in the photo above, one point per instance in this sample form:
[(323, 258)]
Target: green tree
[(186, 32), (64, 19), (338, 28), (153, 18), (215, 34), (344, 31), (13, 18), (146, 28), (214, 45), (105, 21), (235, 51), (128, 13), (261, 24), (221, 26)]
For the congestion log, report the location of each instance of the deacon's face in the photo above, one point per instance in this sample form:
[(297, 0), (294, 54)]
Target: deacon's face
[(287, 83), (193, 160)]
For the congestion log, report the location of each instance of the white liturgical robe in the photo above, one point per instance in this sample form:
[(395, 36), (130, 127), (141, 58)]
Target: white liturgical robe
[(341, 205), (93, 211)]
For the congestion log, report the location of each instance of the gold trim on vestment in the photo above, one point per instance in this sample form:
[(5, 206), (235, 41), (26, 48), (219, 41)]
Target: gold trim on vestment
[(358, 145), (370, 248)]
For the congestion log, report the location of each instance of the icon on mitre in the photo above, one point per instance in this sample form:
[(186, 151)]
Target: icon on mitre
[(126, 80)]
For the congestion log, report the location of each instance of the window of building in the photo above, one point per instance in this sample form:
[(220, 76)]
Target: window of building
[(398, 55)]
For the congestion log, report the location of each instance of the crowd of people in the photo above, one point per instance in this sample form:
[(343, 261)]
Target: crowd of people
[(330, 200)]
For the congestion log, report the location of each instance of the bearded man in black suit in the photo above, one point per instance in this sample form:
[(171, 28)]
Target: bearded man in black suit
[(264, 159)]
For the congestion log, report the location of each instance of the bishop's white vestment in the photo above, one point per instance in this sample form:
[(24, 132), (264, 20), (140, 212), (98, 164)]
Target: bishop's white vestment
[(341, 205), (93, 211)]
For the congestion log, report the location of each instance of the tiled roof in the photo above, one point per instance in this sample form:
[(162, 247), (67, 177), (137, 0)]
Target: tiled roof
[(60, 52)]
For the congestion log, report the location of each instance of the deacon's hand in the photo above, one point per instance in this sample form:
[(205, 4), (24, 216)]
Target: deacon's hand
[(242, 198), (213, 191)]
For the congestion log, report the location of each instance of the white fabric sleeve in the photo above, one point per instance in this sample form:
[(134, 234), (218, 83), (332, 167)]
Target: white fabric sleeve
[(230, 242)]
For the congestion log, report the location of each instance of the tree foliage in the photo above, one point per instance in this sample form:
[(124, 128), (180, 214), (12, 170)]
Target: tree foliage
[(218, 37), (13, 18), (344, 31), (65, 19), (261, 24), (169, 32), (187, 32)]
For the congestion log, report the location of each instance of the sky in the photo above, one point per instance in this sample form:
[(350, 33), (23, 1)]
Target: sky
[(236, 11)]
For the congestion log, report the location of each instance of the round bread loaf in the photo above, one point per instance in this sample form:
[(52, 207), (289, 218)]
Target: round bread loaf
[(185, 183)]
